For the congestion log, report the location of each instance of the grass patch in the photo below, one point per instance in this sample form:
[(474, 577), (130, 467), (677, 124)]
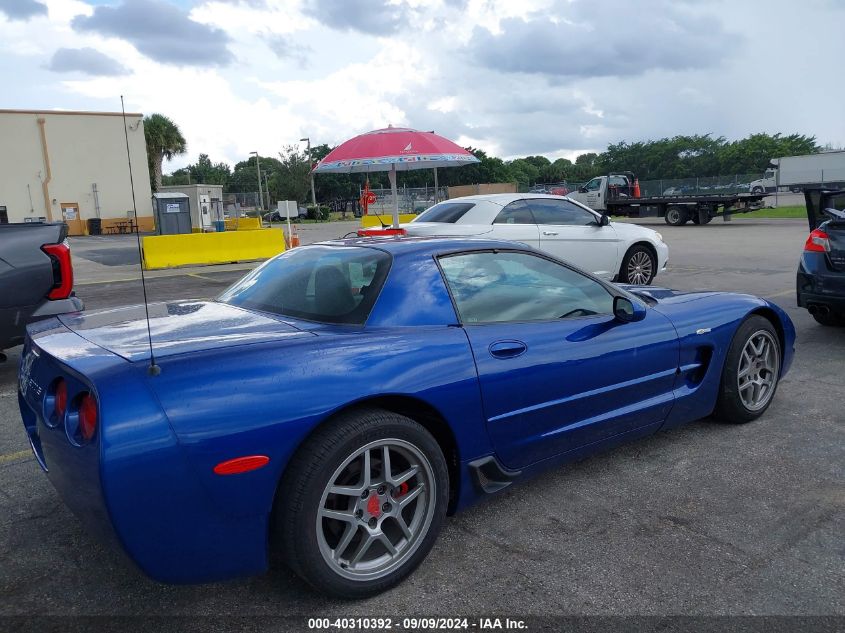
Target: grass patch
[(779, 212)]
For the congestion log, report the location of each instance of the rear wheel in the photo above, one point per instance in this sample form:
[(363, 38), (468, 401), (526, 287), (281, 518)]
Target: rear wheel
[(639, 266), (362, 503), (675, 216), (751, 371)]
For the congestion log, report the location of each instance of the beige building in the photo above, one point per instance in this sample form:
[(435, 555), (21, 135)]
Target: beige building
[(72, 166)]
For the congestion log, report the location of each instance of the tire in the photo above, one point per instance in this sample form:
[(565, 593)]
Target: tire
[(639, 266), (732, 405), (831, 319), (675, 216), (334, 457)]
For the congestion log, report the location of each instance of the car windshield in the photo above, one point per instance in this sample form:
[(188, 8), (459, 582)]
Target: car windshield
[(327, 284), (445, 212)]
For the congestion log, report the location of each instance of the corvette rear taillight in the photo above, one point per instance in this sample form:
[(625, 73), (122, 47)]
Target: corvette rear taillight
[(62, 270), (87, 416), (818, 242), (60, 401)]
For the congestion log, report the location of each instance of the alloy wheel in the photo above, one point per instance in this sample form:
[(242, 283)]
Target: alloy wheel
[(758, 368), (640, 267), (376, 509)]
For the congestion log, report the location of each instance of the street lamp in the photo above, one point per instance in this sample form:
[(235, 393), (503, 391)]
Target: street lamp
[(258, 172), (311, 173)]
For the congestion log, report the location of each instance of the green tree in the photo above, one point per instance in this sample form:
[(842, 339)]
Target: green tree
[(164, 140)]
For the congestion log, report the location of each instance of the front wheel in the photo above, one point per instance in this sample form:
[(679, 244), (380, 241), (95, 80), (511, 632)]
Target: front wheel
[(362, 503), (639, 266), (751, 371)]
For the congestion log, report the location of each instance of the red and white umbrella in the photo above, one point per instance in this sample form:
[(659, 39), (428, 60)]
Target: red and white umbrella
[(394, 149)]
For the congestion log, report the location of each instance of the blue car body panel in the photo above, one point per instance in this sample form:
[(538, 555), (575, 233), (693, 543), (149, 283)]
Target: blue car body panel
[(237, 382)]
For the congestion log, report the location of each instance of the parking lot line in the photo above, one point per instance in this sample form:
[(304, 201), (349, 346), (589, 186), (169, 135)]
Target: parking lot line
[(782, 293), (13, 457), (198, 276)]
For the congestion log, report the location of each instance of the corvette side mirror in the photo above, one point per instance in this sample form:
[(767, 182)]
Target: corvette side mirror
[(604, 221), (626, 311)]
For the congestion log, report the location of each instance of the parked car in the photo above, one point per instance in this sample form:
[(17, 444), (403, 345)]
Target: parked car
[(559, 226), (36, 278), (474, 363), (276, 216), (821, 271)]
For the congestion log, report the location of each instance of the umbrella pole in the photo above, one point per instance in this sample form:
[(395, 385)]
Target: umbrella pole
[(435, 185), (392, 176)]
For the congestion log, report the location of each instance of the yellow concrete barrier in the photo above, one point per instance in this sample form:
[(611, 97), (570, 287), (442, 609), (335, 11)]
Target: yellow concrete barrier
[(373, 220), (243, 224), (165, 251)]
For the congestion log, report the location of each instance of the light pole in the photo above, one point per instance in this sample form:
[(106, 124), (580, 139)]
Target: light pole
[(258, 172), (266, 188), (310, 167)]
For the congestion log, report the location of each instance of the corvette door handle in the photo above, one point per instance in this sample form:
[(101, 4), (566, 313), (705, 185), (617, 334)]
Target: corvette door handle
[(549, 233), (507, 349)]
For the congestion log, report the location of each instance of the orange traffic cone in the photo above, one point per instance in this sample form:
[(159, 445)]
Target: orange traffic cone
[(636, 187), (294, 237)]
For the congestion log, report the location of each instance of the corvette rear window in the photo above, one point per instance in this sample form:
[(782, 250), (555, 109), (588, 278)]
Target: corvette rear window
[(445, 212), (328, 284)]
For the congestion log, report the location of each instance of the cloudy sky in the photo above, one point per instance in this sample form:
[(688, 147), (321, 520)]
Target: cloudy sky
[(553, 77)]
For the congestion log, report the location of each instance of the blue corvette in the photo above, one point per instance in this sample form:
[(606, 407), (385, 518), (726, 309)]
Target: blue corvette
[(342, 398)]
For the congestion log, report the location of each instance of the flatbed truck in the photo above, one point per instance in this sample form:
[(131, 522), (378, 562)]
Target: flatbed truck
[(618, 194)]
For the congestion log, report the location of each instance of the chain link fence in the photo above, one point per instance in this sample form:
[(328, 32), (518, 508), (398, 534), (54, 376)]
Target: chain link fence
[(714, 185), (246, 202), (411, 199)]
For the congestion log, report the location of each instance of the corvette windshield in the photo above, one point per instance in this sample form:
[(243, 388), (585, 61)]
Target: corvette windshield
[(328, 284)]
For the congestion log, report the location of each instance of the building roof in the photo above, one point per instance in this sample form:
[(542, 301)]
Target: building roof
[(169, 195), (74, 112)]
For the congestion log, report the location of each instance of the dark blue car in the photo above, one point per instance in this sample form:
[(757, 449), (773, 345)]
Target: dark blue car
[(820, 280), (341, 399)]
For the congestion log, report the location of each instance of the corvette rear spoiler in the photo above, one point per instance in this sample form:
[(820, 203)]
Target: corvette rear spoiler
[(821, 206)]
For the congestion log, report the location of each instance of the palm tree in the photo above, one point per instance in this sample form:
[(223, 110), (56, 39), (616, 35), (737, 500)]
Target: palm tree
[(164, 140)]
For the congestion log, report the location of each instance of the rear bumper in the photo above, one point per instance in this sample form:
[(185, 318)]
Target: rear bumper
[(817, 284), (132, 486)]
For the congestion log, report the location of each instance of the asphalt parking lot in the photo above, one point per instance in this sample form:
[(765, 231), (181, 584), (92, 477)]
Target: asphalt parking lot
[(703, 520)]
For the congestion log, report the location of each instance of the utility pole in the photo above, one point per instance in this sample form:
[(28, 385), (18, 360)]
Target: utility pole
[(258, 172), (310, 167)]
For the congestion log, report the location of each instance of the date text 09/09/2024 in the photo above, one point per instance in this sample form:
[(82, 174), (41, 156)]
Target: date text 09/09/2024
[(415, 624)]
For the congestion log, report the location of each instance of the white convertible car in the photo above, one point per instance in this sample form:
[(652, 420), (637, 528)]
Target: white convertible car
[(561, 227)]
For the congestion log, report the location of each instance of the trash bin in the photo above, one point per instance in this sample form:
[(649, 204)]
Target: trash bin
[(219, 225), (95, 226)]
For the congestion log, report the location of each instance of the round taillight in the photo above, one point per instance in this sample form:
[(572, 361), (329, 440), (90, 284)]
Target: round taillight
[(60, 405), (87, 416)]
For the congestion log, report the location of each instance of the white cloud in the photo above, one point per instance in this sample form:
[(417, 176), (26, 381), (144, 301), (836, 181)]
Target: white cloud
[(425, 71)]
